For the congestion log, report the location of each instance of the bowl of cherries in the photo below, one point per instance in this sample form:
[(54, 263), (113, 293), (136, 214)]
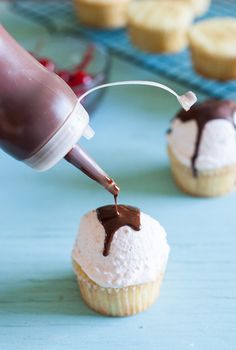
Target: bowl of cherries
[(80, 64)]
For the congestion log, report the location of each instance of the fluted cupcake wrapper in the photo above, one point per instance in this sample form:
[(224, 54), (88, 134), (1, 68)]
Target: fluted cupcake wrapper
[(125, 301), (209, 183)]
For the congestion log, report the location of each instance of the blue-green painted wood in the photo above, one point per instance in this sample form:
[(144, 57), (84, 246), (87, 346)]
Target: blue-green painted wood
[(40, 306)]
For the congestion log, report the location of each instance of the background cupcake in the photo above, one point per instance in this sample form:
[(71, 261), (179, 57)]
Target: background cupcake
[(102, 13), (120, 274), (213, 48), (202, 148), (159, 26), (200, 7)]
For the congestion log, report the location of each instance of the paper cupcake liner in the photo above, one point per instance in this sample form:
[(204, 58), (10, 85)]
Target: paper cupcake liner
[(125, 301), (210, 65), (102, 15), (208, 183)]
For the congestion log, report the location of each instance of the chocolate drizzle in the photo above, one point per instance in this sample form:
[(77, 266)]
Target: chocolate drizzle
[(116, 204), (113, 220), (204, 112)]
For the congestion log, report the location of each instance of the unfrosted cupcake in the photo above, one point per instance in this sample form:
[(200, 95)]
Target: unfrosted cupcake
[(159, 26), (200, 7), (119, 260), (102, 13), (202, 148), (213, 48)]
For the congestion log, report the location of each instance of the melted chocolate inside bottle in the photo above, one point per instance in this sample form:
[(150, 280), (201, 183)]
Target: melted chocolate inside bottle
[(204, 112), (112, 217), (34, 105)]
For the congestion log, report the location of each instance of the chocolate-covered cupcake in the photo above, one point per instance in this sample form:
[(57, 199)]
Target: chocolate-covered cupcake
[(120, 259), (202, 148)]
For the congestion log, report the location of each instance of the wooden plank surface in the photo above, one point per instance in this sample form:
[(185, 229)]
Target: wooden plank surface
[(40, 305)]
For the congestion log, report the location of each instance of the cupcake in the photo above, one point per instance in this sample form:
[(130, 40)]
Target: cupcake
[(102, 13), (200, 7), (213, 48), (202, 148), (159, 26), (119, 260)]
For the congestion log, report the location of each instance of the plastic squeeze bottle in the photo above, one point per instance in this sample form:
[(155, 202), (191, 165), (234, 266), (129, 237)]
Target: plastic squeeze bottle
[(41, 119)]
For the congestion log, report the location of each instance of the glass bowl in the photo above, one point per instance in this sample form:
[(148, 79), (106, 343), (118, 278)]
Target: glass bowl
[(67, 52)]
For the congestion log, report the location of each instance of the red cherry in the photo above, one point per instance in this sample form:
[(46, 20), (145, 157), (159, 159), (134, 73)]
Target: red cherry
[(87, 58), (79, 77), (47, 63), (64, 74)]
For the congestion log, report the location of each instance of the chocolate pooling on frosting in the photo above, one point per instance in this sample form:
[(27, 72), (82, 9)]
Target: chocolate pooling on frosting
[(204, 112), (113, 217)]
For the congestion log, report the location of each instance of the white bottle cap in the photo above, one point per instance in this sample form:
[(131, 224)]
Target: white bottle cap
[(75, 126)]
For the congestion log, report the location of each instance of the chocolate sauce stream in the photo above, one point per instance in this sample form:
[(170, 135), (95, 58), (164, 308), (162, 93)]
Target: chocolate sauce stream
[(204, 112), (81, 160), (112, 221), (116, 204)]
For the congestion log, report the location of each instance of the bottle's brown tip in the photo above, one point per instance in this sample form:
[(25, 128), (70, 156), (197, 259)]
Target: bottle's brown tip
[(85, 163), (111, 186)]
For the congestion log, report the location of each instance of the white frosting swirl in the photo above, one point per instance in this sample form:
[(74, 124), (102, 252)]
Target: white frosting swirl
[(217, 146), (135, 257)]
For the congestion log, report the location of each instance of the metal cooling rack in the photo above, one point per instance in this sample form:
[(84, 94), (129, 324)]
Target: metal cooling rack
[(58, 16)]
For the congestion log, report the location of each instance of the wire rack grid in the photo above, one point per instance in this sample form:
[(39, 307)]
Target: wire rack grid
[(59, 16)]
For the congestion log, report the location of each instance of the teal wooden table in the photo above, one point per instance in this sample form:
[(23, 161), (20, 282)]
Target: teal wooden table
[(40, 305)]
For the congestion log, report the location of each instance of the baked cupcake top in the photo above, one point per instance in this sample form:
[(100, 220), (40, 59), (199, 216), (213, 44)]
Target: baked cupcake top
[(119, 252), (216, 35), (199, 6), (164, 15), (102, 2), (204, 138)]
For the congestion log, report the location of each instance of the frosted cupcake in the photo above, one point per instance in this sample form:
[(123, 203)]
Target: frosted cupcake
[(202, 148), (119, 260)]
